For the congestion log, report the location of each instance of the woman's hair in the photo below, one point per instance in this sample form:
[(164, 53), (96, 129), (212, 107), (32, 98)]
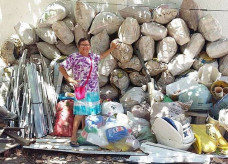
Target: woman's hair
[(83, 39)]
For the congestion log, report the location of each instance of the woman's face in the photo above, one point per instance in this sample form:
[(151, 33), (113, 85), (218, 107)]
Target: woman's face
[(84, 47)]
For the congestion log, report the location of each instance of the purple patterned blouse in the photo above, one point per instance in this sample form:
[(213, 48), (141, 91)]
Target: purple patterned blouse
[(80, 66)]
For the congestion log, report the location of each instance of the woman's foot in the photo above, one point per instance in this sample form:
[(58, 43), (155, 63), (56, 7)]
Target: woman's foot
[(74, 144), (77, 121)]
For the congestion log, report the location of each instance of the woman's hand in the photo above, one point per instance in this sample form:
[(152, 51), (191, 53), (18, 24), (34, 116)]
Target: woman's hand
[(68, 78), (72, 81), (113, 45), (107, 52)]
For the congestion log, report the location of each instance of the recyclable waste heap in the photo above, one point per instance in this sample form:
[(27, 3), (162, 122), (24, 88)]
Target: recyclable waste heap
[(166, 76)]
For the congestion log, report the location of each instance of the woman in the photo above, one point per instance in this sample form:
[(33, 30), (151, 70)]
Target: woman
[(80, 63)]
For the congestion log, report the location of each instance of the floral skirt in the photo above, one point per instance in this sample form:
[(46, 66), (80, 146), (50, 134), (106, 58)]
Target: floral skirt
[(90, 105)]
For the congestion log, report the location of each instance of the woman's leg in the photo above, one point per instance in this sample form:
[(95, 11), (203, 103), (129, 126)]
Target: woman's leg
[(77, 120), (83, 122)]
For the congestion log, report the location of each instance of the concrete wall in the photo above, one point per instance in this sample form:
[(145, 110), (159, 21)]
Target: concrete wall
[(12, 11), (221, 16)]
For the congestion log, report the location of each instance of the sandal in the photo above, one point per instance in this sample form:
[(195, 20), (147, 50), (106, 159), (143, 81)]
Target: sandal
[(74, 144)]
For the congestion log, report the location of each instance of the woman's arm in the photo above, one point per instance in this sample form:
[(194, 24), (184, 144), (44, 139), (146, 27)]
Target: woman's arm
[(106, 53), (67, 77)]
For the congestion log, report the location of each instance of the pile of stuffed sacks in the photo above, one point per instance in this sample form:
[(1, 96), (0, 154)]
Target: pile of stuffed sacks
[(165, 122)]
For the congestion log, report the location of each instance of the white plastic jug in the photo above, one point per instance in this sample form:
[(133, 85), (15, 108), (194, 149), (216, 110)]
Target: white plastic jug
[(208, 74)]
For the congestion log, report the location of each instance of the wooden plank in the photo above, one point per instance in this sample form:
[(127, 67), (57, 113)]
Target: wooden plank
[(18, 139), (7, 140), (7, 146), (13, 128)]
